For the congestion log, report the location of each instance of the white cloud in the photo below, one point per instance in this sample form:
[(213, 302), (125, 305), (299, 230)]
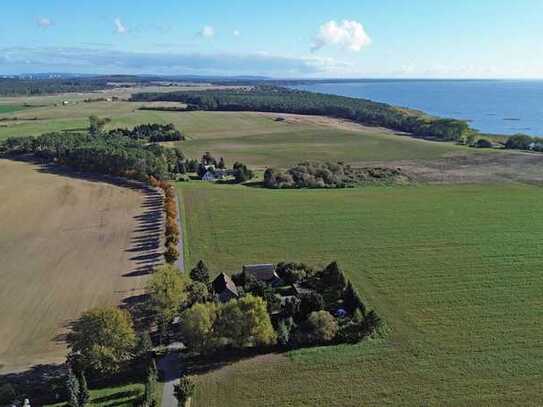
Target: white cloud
[(207, 31), (44, 22), (236, 33), (120, 28), (347, 34)]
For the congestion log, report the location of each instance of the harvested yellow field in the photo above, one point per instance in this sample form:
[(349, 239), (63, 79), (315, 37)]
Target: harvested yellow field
[(66, 245)]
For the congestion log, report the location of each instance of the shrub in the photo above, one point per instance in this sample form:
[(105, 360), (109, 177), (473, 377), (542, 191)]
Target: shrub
[(7, 394), (172, 240), (171, 254), (483, 143), (197, 292), (184, 389), (291, 272), (284, 330), (519, 142), (200, 273), (309, 303), (241, 173), (171, 227), (319, 328)]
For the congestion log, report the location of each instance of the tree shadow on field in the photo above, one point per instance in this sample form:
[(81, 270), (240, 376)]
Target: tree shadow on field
[(145, 243), (42, 384), (200, 364)]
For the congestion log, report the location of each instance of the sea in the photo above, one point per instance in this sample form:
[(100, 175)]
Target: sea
[(491, 106)]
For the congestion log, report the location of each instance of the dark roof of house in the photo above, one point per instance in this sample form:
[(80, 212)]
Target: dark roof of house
[(224, 282), (263, 272)]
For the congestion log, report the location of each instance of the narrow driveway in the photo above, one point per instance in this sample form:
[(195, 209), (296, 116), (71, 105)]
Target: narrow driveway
[(170, 369)]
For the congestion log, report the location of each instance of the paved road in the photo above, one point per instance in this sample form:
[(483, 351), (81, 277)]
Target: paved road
[(169, 364), (170, 369)]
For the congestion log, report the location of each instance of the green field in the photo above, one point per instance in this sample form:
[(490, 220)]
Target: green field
[(455, 271), (10, 108), (254, 138)]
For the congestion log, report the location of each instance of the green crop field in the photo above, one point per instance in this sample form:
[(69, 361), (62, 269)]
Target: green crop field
[(454, 270), (10, 108)]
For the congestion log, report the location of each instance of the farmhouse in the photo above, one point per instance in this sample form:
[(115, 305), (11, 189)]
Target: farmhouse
[(224, 287), (261, 272), (209, 176), (213, 174)]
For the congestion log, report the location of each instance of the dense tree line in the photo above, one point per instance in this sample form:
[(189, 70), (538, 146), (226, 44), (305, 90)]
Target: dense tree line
[(283, 100), (153, 133), (31, 87), (172, 232), (330, 175), (100, 153)]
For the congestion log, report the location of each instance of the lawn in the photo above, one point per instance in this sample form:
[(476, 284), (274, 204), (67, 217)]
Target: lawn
[(66, 245), (120, 396), (454, 270)]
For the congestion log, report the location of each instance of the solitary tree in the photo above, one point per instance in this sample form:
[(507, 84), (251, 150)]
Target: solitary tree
[(200, 273), (167, 290), (144, 346), (184, 390), (197, 326), (171, 254), (104, 338), (246, 322), (320, 327)]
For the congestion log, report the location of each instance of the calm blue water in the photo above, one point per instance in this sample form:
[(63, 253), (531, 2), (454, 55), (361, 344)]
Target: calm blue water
[(502, 107)]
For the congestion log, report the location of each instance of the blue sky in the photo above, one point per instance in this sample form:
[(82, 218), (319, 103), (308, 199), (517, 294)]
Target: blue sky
[(313, 38)]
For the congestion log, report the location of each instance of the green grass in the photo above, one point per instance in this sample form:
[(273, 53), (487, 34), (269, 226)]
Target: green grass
[(253, 138), (121, 396), (11, 108), (455, 271)]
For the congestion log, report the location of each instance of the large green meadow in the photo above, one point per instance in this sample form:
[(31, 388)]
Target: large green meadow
[(256, 139), (454, 270)]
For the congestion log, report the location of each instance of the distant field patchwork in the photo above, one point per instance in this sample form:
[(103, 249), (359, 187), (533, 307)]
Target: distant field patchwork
[(255, 138), (64, 247), (454, 270)]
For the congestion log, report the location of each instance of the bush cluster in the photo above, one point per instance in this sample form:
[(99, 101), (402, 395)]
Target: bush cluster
[(330, 175), (524, 142)]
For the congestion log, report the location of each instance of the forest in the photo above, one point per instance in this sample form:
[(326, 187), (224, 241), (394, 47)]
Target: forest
[(30, 87), (283, 100), (150, 132), (103, 153)]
